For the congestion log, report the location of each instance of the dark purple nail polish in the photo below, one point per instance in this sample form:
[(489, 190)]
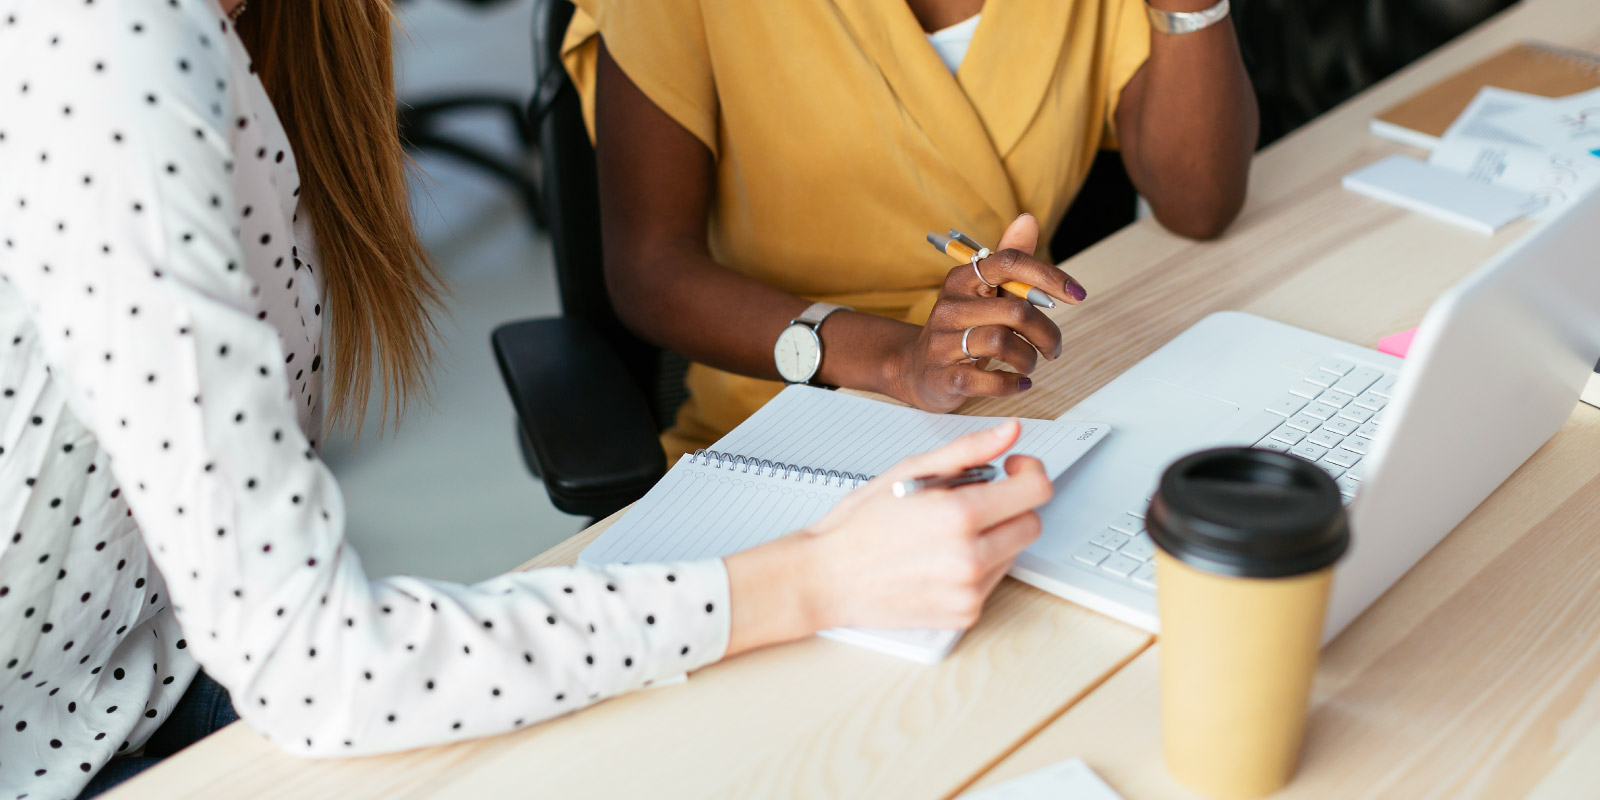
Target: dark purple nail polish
[(1025, 383), (1076, 291)]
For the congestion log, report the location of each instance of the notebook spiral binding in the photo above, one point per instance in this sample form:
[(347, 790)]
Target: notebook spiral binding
[(1587, 62), (772, 469)]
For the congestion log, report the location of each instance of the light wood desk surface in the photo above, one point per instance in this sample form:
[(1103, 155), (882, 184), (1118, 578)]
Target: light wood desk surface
[(1478, 674)]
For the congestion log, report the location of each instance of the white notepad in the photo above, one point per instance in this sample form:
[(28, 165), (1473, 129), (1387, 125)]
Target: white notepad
[(786, 466), (1441, 194)]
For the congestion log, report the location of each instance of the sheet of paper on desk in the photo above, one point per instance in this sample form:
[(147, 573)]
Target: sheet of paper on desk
[(1486, 147), (1568, 124), (1068, 780)]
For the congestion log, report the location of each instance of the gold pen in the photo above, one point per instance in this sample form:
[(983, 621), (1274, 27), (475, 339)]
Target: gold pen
[(962, 248)]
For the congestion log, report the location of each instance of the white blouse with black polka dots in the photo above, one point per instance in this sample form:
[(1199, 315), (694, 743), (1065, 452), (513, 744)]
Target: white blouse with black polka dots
[(161, 496)]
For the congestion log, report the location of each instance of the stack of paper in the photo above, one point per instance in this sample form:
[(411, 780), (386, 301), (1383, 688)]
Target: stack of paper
[(1547, 148)]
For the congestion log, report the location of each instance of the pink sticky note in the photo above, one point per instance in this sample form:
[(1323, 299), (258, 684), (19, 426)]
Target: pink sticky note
[(1397, 344)]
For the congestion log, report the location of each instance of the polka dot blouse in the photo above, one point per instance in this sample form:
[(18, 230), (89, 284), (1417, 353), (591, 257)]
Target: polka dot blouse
[(162, 502)]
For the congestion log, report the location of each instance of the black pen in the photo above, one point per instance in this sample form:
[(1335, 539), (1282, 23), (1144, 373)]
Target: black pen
[(979, 474)]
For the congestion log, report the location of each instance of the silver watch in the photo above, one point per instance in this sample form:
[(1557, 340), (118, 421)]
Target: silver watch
[(1186, 21), (798, 352)]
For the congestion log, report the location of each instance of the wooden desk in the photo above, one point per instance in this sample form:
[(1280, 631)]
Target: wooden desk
[(1480, 671)]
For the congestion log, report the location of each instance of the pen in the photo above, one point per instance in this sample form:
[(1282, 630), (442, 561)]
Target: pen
[(978, 474), (962, 248)]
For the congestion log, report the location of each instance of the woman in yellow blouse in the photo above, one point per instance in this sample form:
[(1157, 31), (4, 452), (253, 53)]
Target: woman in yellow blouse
[(757, 158)]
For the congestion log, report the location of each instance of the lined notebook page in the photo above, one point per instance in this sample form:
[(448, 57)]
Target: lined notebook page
[(824, 430), (702, 511)]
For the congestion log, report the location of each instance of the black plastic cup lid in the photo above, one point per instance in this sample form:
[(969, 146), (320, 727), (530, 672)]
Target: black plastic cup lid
[(1249, 513)]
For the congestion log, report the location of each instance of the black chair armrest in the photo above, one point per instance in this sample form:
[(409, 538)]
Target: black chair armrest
[(592, 438)]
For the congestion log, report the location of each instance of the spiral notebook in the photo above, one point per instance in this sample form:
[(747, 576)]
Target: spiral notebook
[(786, 466)]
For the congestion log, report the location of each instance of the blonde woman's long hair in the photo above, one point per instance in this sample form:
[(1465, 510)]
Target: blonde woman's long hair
[(328, 68)]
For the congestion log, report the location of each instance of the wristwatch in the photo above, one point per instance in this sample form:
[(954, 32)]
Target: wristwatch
[(798, 352), (1186, 21)]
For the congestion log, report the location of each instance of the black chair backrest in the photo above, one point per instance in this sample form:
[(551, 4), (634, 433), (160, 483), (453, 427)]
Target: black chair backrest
[(572, 197)]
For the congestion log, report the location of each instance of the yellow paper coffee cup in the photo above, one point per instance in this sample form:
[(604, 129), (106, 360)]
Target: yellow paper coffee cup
[(1246, 541)]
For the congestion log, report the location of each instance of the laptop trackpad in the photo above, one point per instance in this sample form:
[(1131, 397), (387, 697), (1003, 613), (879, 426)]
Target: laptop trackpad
[(1164, 416), (1152, 423)]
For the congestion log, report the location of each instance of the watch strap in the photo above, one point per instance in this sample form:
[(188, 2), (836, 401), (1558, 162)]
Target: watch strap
[(817, 312), (1181, 22)]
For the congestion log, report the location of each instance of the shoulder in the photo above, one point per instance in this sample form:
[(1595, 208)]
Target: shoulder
[(111, 53)]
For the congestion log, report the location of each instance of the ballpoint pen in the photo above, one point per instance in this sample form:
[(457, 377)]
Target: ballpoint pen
[(962, 248), (979, 474)]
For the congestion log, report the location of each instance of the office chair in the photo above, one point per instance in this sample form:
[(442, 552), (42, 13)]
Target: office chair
[(591, 398)]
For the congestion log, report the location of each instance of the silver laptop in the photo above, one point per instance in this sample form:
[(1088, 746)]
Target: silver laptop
[(1414, 445)]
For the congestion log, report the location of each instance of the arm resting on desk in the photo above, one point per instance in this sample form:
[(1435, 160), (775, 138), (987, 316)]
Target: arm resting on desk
[(1187, 124)]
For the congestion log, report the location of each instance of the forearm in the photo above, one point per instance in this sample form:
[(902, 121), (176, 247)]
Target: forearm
[(1191, 114), (688, 303)]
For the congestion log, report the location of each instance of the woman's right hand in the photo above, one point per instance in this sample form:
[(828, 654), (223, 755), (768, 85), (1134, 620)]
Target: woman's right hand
[(880, 561), (936, 374)]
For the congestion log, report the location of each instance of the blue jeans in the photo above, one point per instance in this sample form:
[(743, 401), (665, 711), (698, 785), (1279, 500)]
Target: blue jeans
[(203, 709)]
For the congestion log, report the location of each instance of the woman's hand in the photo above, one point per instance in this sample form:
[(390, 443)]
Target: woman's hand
[(937, 376), (924, 561)]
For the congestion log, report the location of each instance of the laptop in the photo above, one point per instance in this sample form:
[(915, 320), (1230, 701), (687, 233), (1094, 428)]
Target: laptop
[(1415, 445)]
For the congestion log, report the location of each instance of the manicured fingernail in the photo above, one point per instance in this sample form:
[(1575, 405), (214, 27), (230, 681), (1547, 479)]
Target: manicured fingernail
[(1024, 383), (1076, 291)]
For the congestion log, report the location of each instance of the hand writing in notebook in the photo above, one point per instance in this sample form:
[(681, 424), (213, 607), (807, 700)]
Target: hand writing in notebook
[(924, 561)]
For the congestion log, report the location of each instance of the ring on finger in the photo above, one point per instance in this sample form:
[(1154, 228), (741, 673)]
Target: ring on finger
[(979, 256), (964, 350)]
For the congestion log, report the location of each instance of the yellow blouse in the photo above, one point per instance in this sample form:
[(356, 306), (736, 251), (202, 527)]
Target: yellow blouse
[(838, 120)]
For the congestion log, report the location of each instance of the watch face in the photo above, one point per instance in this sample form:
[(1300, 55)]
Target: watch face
[(798, 352)]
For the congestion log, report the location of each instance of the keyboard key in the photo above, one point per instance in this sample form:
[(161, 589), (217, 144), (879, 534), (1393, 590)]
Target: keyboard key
[(1091, 555), (1333, 470), (1348, 486), (1287, 405), (1385, 386), (1335, 399), (1145, 576), (1358, 380), (1109, 539), (1343, 458), (1337, 366), (1320, 411), (1263, 423), (1304, 423), (1140, 548), (1308, 451), (1368, 430), (1307, 389), (1120, 565), (1325, 438), (1340, 426), (1128, 523), (1288, 435), (1358, 444), (1372, 402), (1355, 413), (1138, 512), (1377, 419), (1359, 471), (1273, 445), (1321, 378)]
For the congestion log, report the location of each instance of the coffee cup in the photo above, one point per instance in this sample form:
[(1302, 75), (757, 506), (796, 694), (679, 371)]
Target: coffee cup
[(1246, 542)]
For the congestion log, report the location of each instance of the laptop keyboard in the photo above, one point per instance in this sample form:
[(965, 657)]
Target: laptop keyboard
[(1328, 418)]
